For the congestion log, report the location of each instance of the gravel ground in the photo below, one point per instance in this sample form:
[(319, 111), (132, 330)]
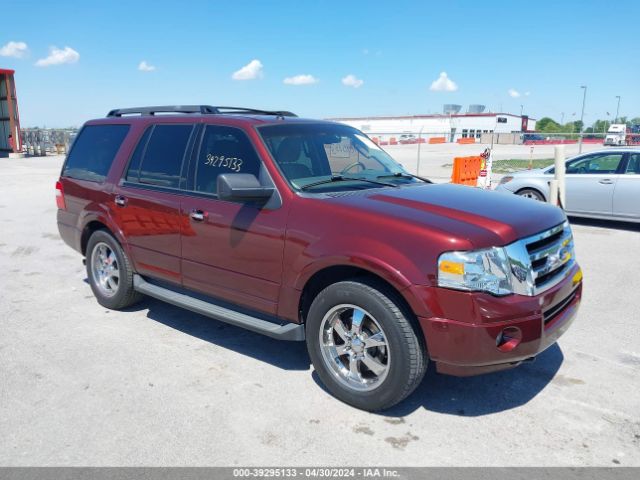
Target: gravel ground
[(156, 385)]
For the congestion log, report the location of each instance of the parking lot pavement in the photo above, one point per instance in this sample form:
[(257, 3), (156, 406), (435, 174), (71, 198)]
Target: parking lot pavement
[(156, 385)]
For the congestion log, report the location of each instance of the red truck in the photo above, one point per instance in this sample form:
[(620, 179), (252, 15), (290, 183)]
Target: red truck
[(307, 230)]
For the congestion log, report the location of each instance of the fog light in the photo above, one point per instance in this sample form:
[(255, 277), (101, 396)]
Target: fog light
[(508, 339)]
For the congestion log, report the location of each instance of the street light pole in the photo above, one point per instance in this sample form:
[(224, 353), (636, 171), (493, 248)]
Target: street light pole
[(584, 99), (617, 109)]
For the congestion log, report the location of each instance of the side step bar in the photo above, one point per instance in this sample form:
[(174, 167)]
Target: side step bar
[(289, 331)]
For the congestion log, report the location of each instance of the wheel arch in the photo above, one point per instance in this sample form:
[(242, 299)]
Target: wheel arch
[(535, 189), (89, 229), (332, 274), (93, 220)]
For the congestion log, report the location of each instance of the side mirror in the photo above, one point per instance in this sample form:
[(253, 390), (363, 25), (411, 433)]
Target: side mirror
[(242, 187)]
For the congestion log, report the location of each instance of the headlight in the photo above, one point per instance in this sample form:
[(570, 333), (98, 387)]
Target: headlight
[(480, 270), (506, 179)]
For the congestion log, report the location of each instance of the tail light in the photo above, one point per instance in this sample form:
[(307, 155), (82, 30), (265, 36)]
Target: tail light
[(60, 196)]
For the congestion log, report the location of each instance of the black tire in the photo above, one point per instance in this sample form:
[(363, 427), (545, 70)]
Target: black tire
[(407, 361), (531, 193), (124, 294)]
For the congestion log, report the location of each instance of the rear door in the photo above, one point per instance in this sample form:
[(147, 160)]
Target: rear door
[(626, 196), (84, 173), (590, 183), (148, 200), (231, 251)]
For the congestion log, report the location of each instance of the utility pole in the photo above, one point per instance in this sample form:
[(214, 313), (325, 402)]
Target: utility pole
[(521, 108), (584, 99), (617, 109)]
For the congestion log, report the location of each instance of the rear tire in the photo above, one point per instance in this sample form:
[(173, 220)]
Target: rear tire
[(109, 272), (364, 346), (532, 194)]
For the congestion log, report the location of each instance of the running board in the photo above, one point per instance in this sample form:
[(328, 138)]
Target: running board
[(289, 331)]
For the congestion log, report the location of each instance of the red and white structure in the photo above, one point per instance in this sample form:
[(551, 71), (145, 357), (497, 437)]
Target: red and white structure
[(10, 140)]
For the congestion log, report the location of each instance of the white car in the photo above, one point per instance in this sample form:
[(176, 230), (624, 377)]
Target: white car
[(603, 184)]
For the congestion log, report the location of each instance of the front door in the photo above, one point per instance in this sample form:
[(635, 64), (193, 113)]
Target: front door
[(590, 182), (231, 251)]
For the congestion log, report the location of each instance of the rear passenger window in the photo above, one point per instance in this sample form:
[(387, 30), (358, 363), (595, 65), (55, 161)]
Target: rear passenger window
[(93, 152), (160, 162), (633, 167), (133, 172), (223, 150)]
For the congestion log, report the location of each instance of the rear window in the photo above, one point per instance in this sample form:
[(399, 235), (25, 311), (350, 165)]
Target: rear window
[(159, 160), (93, 152)]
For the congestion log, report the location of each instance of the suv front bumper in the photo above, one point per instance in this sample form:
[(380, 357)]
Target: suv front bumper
[(476, 333)]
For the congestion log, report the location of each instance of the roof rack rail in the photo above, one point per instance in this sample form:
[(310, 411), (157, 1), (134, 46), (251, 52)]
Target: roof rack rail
[(202, 109)]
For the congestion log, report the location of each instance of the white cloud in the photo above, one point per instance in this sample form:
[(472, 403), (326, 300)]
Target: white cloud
[(58, 57), (146, 67), (443, 84), (14, 49), (526, 94), (301, 80), (352, 81), (250, 71), (513, 93)]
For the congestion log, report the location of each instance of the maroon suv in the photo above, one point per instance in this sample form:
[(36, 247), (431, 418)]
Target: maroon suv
[(307, 230)]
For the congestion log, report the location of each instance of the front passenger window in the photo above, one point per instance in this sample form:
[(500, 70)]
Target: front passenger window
[(223, 150), (596, 164)]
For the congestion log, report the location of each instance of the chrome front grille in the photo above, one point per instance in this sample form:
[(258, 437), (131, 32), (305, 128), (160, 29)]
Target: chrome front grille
[(541, 261)]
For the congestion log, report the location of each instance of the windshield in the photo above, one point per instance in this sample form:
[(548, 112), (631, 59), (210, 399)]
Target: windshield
[(310, 153)]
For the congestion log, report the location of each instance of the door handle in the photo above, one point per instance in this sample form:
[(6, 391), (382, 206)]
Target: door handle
[(198, 215), (120, 200), (606, 181)]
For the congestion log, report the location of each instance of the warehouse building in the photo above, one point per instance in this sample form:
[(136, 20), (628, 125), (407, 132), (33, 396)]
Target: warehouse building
[(451, 124)]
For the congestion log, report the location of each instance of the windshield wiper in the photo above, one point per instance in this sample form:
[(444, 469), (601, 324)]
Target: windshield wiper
[(404, 175), (342, 178)]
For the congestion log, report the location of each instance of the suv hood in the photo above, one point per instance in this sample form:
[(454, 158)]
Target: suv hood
[(483, 218)]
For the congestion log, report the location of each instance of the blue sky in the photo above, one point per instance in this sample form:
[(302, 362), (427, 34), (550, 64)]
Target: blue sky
[(542, 50)]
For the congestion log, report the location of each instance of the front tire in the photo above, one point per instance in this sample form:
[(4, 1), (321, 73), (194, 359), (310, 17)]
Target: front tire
[(532, 194), (109, 272), (364, 346)]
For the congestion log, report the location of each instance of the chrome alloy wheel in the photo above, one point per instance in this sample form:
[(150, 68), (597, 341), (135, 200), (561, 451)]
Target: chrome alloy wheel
[(354, 347), (104, 269)]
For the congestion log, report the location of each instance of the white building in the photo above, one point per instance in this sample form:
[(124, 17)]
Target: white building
[(452, 127)]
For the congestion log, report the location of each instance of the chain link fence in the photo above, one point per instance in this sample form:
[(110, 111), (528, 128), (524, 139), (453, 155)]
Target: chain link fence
[(431, 153), (43, 141)]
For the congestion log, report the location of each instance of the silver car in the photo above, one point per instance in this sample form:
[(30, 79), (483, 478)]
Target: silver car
[(603, 184)]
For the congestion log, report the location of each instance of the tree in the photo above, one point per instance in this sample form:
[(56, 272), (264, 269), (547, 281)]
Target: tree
[(547, 124), (576, 126), (601, 126)]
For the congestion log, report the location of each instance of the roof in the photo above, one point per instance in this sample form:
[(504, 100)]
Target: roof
[(200, 114), (227, 119), (7, 71)]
